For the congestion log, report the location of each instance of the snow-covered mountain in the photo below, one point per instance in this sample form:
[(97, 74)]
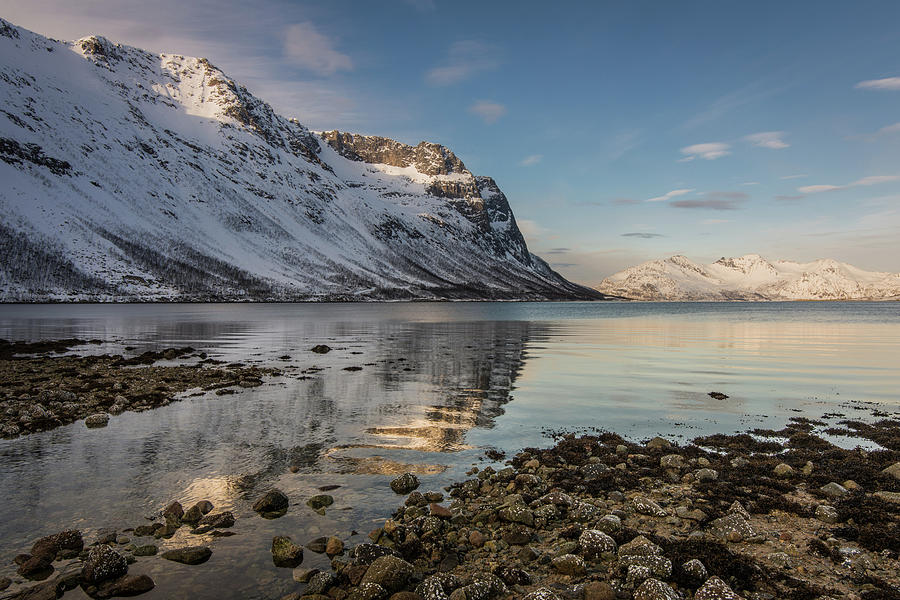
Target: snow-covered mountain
[(750, 277), (131, 175)]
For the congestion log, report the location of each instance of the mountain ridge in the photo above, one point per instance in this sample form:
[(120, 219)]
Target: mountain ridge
[(750, 277), (156, 177)]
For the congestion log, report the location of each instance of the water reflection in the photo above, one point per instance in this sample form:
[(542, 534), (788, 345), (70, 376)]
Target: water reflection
[(421, 387), (434, 388)]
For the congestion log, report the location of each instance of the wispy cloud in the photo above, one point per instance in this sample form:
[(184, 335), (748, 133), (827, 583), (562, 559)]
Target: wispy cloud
[(801, 176), (750, 183), (558, 251), (531, 160), (624, 201), (888, 83), (707, 151), (642, 235), (768, 139), (490, 112), (715, 200), (865, 181), (815, 189), (789, 198), (714, 221), (308, 48), (670, 195), (464, 59)]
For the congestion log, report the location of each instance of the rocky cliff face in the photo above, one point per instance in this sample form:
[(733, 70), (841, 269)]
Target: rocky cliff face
[(750, 277), (132, 175)]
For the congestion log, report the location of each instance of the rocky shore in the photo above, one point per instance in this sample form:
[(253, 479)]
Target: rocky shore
[(41, 389), (772, 515)]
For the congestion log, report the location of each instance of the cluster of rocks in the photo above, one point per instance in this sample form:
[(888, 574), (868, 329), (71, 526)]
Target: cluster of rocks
[(41, 391), (599, 518)]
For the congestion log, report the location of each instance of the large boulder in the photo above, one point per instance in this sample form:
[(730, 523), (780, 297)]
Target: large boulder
[(405, 483), (389, 572), (272, 503), (286, 553), (103, 563)]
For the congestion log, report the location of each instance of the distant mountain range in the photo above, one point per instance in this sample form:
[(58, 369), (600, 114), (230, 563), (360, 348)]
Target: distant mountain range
[(128, 175), (750, 277)]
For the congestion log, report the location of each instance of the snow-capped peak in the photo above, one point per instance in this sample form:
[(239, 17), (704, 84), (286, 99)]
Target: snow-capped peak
[(750, 277)]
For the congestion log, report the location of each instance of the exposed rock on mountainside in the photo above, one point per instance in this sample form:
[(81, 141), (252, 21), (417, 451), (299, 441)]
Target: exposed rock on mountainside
[(129, 175), (750, 277)]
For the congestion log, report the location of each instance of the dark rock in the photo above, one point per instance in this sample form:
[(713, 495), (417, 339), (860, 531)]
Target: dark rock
[(193, 514), (389, 572), (317, 545), (173, 510), (646, 506), (593, 543), (598, 590), (654, 589), (320, 501), (715, 589), (35, 567), (272, 503), (103, 563), (569, 564), (145, 550), (368, 591), (218, 520), (128, 585), (285, 553), (191, 555), (320, 583), (5, 582), (97, 420), (718, 396), (321, 349), (405, 483), (365, 554), (516, 535)]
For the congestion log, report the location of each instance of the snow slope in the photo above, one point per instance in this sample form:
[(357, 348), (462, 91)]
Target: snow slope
[(128, 175), (750, 277)]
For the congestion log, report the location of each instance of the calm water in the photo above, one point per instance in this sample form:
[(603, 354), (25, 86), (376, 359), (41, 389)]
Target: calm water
[(439, 383)]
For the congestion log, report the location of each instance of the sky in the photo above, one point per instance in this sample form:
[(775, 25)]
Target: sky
[(620, 131)]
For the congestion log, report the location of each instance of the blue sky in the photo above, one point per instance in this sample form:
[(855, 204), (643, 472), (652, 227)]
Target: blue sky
[(620, 131)]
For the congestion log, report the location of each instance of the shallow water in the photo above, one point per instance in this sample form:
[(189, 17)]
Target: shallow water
[(439, 383)]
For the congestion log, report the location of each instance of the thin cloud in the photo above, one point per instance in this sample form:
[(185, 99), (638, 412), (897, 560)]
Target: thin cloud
[(490, 112), (558, 251), (715, 200), (888, 83), (714, 221), (670, 195), (707, 151), (768, 139), (306, 47), (888, 129), (623, 201), (801, 176), (865, 181), (789, 198), (875, 180), (465, 59), (750, 183), (530, 229), (531, 160), (642, 235)]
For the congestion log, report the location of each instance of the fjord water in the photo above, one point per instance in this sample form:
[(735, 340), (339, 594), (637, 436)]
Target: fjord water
[(439, 382)]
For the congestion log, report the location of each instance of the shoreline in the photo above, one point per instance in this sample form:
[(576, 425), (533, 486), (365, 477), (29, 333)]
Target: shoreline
[(595, 517), (763, 514)]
